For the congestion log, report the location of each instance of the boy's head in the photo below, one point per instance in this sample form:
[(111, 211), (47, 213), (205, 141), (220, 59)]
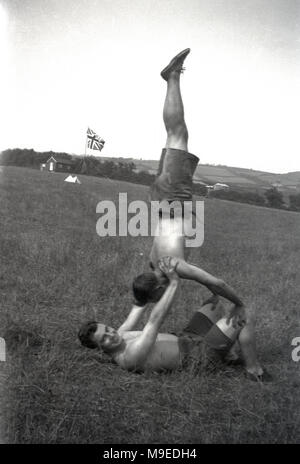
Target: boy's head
[(95, 335), (149, 287)]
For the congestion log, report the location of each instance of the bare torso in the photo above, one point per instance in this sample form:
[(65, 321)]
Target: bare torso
[(170, 241), (164, 354)]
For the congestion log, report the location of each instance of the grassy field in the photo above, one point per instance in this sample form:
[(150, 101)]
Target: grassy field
[(56, 273)]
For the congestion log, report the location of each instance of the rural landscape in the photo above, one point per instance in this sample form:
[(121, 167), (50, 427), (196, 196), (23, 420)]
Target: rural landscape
[(57, 273)]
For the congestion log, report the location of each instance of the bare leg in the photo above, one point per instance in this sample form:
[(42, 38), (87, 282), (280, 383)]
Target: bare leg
[(246, 340), (173, 115)]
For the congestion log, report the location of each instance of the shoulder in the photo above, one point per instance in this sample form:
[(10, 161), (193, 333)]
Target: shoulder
[(131, 357), (137, 349)]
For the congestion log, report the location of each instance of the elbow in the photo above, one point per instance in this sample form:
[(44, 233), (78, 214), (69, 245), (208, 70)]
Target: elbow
[(221, 285), (227, 292), (218, 287)]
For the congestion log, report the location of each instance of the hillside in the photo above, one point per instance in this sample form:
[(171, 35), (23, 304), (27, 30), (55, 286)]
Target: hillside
[(233, 176), (236, 178)]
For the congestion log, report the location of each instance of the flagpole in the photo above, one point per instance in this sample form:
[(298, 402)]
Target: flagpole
[(85, 145)]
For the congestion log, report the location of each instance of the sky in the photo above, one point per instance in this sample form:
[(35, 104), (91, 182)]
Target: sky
[(71, 64)]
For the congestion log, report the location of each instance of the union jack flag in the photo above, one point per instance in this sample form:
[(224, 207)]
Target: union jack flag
[(94, 141)]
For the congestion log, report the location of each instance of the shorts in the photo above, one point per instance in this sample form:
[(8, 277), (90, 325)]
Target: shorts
[(174, 179), (202, 344)]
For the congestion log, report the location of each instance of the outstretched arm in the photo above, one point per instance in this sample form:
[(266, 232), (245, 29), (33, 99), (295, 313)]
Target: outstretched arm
[(139, 349), (215, 285), (161, 309), (133, 319)]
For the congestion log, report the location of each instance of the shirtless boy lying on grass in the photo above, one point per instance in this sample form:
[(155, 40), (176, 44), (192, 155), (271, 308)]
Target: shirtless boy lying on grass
[(203, 343)]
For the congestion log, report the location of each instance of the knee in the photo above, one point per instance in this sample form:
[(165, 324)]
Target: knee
[(250, 317), (246, 335), (179, 133), (183, 132)]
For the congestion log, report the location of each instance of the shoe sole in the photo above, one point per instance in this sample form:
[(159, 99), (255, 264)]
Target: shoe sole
[(174, 62)]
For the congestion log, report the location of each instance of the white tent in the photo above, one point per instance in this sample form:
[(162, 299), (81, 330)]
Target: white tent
[(72, 179)]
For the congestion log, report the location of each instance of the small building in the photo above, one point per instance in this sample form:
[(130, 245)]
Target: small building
[(60, 163), (219, 186), (277, 185)]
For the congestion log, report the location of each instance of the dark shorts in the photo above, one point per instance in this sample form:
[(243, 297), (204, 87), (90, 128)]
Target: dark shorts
[(174, 179), (202, 344)]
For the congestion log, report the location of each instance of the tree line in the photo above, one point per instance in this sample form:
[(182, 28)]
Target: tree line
[(271, 198), (87, 165), (126, 171)]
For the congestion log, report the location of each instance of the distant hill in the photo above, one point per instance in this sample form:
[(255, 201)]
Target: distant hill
[(240, 178), (236, 178)]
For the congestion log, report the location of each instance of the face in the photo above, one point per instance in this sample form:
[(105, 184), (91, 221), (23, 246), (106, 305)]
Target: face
[(107, 338)]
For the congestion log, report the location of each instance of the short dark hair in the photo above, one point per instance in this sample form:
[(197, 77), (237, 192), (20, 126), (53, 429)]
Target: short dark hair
[(144, 286), (86, 333)]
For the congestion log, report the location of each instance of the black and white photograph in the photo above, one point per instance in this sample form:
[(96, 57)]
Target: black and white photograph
[(149, 225)]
